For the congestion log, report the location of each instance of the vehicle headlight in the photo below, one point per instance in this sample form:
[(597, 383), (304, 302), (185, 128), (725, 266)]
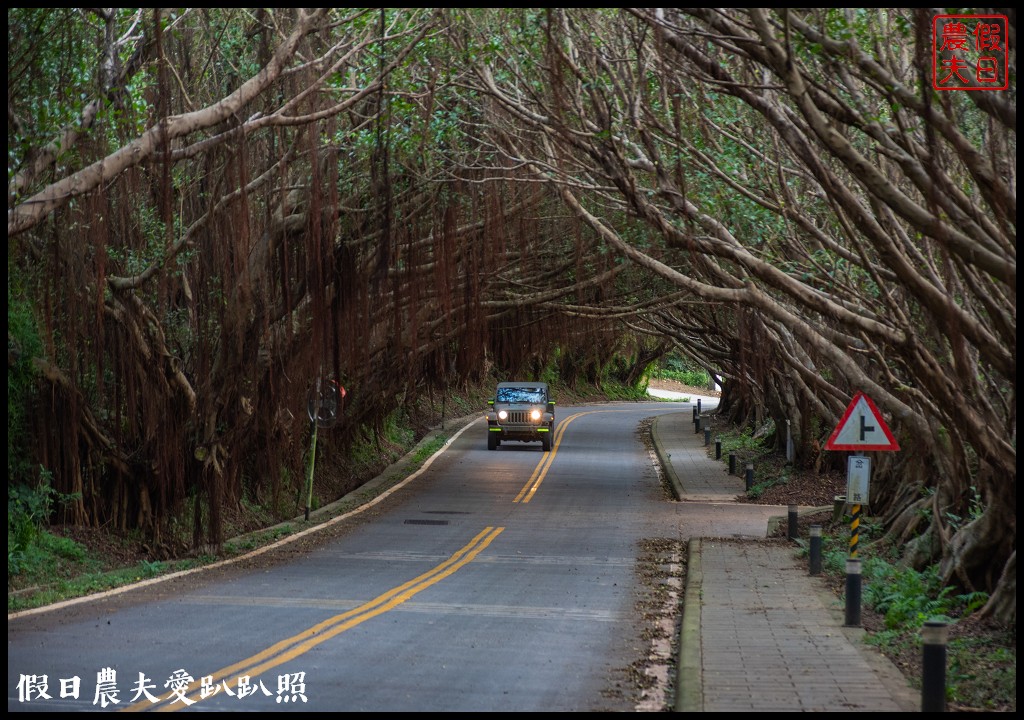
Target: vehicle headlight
[(535, 415), (502, 414)]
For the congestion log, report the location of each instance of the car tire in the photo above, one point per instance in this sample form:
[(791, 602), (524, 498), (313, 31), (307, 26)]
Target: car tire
[(492, 441), (545, 442)]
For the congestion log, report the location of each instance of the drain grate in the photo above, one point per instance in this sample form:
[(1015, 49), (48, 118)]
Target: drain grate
[(426, 522)]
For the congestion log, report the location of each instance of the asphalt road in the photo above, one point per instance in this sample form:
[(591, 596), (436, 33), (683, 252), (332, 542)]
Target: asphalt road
[(496, 580)]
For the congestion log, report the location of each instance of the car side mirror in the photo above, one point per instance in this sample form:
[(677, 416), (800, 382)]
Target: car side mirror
[(551, 406), (491, 401)]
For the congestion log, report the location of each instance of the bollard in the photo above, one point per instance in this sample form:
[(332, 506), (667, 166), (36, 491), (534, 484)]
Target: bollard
[(707, 436), (815, 550), (852, 592), (695, 413), (718, 448), (793, 529), (696, 423), (933, 670), (698, 406), (732, 463), (750, 475)]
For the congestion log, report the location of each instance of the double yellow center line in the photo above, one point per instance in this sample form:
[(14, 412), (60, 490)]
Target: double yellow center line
[(290, 648), (541, 472)]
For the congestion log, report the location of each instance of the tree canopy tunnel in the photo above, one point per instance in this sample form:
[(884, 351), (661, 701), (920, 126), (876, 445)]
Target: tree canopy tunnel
[(212, 209)]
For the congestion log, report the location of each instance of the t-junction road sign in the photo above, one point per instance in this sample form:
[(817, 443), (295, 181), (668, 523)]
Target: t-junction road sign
[(862, 428)]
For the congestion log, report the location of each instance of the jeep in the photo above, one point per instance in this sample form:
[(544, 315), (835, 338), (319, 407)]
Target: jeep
[(520, 411)]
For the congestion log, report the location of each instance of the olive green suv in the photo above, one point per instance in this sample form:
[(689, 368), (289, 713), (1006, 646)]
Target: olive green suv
[(521, 411)]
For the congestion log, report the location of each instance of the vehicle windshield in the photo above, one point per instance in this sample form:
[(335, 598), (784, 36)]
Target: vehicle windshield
[(524, 396)]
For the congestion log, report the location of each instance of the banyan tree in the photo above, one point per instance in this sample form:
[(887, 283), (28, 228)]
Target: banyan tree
[(209, 210)]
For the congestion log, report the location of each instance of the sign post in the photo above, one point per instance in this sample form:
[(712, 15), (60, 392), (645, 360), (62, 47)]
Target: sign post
[(861, 428), (324, 404), (858, 479)]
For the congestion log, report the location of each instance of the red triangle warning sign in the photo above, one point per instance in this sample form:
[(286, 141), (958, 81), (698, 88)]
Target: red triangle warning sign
[(862, 428)]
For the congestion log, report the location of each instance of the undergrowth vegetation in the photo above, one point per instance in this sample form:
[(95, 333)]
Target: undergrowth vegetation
[(981, 668), (675, 367)]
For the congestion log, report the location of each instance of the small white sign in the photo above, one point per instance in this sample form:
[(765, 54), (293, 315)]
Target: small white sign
[(858, 478)]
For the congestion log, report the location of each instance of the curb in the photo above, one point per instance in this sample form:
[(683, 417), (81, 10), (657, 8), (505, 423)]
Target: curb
[(666, 460), (689, 673)]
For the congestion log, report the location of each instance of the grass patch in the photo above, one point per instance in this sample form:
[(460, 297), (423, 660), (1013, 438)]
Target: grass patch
[(88, 583), (48, 556), (981, 667)]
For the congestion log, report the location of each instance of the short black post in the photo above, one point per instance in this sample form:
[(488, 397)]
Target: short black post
[(750, 475), (707, 436), (933, 670), (696, 424), (793, 530), (698, 406), (732, 463), (853, 592), (695, 413), (815, 568), (718, 448)]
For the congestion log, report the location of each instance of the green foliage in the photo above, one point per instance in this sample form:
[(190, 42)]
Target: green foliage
[(676, 367), (759, 488), (974, 511), (696, 378), (73, 572), (732, 442), (24, 344), (550, 374), (978, 676), (618, 391), (374, 449), (397, 429), (426, 451), (152, 569), (46, 556), (27, 509), (907, 597), (981, 673)]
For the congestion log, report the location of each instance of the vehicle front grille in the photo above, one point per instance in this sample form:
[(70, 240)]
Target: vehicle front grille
[(519, 417)]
